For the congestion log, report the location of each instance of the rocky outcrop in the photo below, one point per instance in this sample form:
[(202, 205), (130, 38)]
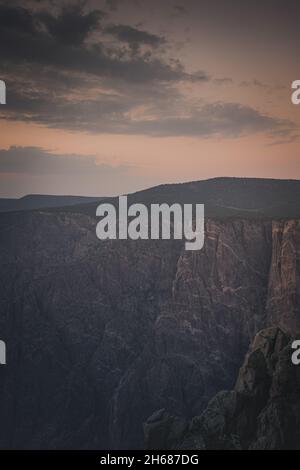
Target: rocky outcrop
[(263, 410), (162, 430), (100, 335)]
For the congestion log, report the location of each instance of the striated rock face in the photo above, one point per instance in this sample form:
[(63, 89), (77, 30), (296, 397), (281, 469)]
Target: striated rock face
[(102, 334), (263, 410), (284, 285), (218, 303), (78, 319)]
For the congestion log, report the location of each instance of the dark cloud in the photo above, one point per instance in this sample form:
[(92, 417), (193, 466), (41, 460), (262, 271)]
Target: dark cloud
[(17, 19), (37, 161), (59, 112), (229, 120), (90, 110), (58, 77), (71, 25), (31, 170), (79, 86), (268, 87), (135, 37), (25, 42), (114, 113)]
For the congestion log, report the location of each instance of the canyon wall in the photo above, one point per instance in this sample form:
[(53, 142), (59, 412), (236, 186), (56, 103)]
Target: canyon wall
[(100, 334)]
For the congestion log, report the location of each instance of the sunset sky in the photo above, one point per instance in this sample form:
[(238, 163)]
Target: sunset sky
[(108, 97)]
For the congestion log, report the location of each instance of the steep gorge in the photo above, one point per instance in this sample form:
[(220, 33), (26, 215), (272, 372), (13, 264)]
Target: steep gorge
[(101, 334)]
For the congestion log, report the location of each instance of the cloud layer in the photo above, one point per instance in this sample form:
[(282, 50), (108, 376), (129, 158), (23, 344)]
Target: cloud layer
[(26, 170), (71, 67)]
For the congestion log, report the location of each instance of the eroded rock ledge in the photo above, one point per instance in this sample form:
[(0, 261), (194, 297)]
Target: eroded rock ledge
[(261, 412)]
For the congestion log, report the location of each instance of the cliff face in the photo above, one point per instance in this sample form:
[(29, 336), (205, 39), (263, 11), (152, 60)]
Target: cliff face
[(218, 303), (262, 412), (101, 334), (284, 283)]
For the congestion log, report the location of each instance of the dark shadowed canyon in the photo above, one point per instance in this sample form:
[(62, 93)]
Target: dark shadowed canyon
[(102, 334)]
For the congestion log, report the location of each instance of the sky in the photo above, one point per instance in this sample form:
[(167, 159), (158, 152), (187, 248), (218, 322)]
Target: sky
[(112, 96)]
